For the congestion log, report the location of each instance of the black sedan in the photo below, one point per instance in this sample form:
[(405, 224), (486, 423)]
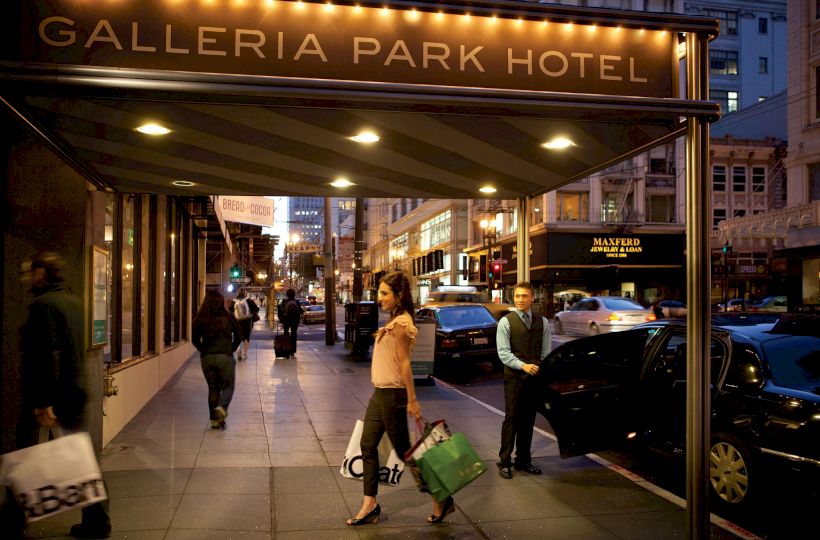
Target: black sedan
[(465, 333), (604, 391)]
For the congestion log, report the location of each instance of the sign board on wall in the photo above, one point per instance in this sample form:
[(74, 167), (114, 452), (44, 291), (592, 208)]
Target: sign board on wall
[(250, 210), (351, 43), (303, 248), (424, 352), (585, 249)]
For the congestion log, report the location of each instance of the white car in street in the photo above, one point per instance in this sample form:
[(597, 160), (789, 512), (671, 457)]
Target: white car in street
[(600, 314)]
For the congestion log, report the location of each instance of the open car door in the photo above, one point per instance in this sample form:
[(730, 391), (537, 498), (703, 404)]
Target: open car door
[(589, 390)]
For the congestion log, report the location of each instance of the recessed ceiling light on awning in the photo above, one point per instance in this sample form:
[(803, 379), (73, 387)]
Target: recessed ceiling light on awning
[(182, 183), (152, 128), (366, 137), (487, 189), (558, 143), (342, 183)]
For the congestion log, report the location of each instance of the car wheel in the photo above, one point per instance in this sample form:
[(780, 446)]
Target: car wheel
[(729, 471), (594, 330), (559, 328)]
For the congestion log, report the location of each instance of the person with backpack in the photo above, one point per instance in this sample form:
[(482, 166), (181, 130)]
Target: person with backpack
[(290, 313), (244, 309)]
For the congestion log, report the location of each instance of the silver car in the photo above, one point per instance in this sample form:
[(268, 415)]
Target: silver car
[(599, 314)]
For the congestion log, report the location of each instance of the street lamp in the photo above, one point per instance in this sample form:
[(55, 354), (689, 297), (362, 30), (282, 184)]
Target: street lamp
[(489, 235), (294, 239)]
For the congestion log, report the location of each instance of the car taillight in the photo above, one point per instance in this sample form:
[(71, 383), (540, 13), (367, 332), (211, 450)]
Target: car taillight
[(650, 317), (448, 343), (614, 317)]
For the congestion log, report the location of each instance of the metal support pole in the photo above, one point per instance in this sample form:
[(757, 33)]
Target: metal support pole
[(523, 239), (358, 249), (330, 281), (698, 330)]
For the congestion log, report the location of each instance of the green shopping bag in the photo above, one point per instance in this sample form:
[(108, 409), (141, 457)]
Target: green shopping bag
[(449, 466)]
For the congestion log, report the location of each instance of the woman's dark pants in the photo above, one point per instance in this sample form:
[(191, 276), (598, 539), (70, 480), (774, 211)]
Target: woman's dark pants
[(219, 370), (386, 412)]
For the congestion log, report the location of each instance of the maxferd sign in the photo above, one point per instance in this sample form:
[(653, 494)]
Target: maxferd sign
[(325, 41), (597, 249)]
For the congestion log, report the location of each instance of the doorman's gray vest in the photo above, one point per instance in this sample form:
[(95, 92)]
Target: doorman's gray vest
[(525, 343)]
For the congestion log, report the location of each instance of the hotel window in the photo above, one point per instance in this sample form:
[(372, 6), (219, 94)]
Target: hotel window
[(814, 182), (723, 62), (572, 206), (660, 208), (719, 178), (727, 19), (110, 245), (758, 179), (127, 274), (816, 93), (718, 215), (739, 213), (726, 98), (763, 64), (738, 179), (762, 25)]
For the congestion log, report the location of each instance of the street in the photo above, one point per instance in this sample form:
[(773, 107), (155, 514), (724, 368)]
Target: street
[(792, 506)]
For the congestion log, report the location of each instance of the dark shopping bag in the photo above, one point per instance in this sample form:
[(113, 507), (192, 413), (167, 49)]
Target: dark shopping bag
[(449, 466), (430, 434)]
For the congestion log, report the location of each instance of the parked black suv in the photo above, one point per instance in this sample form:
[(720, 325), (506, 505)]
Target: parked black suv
[(607, 390)]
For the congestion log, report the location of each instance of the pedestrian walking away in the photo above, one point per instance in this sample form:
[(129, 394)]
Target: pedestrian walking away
[(244, 310), (54, 383), (523, 341), (290, 313), (216, 335), (394, 395)]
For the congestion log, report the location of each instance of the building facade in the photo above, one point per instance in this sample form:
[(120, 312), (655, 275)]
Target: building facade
[(423, 238)]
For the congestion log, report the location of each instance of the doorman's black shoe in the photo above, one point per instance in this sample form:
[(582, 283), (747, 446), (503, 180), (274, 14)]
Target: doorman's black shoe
[(81, 530), (528, 468)]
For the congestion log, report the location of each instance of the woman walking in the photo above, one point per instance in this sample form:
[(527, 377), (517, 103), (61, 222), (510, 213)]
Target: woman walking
[(216, 334), (394, 396)]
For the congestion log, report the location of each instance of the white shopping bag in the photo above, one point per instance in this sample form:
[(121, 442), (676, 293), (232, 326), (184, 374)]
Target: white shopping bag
[(438, 432), (390, 469), (54, 476)]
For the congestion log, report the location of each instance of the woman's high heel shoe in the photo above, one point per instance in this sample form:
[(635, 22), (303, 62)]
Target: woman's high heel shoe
[(371, 517), (447, 508)]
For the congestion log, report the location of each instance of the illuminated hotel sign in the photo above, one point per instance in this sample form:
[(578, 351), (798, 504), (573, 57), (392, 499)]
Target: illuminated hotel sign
[(617, 247), (325, 41)]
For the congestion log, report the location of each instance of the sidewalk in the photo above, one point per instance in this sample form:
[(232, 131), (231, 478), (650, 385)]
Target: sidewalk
[(273, 473)]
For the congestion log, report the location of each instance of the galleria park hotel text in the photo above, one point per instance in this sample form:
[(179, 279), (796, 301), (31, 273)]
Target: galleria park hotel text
[(211, 41)]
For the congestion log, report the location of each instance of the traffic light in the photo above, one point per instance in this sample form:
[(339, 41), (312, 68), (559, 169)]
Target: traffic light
[(236, 271), (727, 248)]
